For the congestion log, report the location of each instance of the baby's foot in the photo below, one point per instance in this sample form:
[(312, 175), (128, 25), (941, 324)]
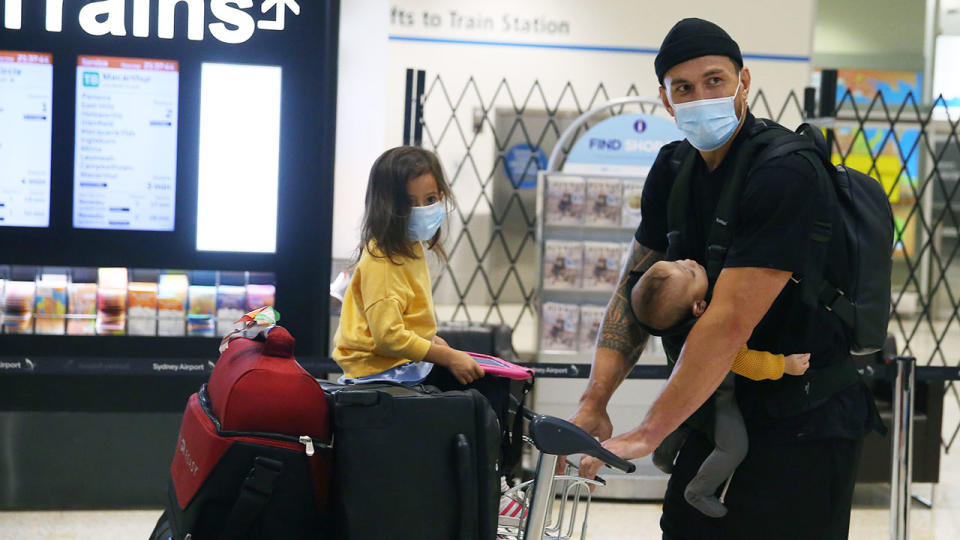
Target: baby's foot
[(709, 505), (663, 459)]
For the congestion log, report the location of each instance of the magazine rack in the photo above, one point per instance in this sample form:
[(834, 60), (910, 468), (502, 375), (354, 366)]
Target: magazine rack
[(585, 227)]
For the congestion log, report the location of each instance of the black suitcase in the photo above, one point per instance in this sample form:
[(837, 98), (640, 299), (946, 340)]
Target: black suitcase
[(496, 340), (414, 463), (493, 339)]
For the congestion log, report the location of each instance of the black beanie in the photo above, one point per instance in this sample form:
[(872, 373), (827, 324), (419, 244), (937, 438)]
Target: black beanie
[(693, 38)]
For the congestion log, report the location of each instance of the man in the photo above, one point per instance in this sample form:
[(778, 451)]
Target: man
[(797, 479)]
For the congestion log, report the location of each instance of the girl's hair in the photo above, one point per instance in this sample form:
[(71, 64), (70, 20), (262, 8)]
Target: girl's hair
[(387, 206)]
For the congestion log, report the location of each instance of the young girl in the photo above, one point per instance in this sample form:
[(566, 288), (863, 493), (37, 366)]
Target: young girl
[(387, 325)]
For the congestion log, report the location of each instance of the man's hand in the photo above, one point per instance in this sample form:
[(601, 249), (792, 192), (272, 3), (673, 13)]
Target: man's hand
[(594, 421), (630, 445), (618, 347)]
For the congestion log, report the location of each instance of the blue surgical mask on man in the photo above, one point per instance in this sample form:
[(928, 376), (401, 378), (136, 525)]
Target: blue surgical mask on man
[(707, 123), (425, 221)]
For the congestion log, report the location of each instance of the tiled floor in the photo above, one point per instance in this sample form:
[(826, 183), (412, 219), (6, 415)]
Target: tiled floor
[(608, 521)]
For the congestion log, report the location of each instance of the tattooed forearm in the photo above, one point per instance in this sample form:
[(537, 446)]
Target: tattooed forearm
[(618, 331)]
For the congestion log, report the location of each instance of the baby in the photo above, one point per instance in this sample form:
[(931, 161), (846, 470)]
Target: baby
[(666, 294)]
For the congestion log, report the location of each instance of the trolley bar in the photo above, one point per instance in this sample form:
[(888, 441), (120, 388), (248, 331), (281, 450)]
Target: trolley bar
[(542, 497), (902, 475)]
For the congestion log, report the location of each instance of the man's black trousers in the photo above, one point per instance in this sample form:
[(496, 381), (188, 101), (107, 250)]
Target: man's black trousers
[(797, 490)]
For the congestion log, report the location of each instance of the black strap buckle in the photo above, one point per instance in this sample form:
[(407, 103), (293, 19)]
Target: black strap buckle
[(836, 296), (716, 252), (263, 475)]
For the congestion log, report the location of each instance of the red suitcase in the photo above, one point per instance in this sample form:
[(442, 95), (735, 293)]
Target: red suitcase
[(253, 456)]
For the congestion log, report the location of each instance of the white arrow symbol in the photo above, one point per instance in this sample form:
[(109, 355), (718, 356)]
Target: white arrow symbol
[(281, 6)]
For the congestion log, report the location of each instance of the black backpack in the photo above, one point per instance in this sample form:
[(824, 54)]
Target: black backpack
[(863, 302)]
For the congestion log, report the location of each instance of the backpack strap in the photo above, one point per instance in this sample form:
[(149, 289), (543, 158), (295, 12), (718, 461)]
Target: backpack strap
[(818, 290), (834, 299), (513, 437), (254, 495), (813, 388), (725, 217), (683, 164)]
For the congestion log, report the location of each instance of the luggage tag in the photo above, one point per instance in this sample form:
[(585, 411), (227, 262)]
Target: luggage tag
[(256, 323)]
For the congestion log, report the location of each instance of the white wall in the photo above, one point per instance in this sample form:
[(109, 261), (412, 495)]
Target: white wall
[(361, 109), (870, 34), (374, 56), (949, 17)]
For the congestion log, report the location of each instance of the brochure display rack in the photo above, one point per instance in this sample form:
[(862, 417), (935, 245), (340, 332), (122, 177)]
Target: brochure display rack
[(585, 231), (588, 210)]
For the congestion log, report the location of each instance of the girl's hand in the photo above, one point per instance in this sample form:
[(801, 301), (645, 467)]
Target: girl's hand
[(796, 364), (440, 341), (463, 367)]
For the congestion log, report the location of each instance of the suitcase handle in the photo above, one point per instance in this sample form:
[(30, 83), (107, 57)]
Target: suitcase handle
[(468, 488)]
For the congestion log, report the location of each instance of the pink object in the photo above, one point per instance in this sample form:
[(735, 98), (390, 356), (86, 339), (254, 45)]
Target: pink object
[(501, 368)]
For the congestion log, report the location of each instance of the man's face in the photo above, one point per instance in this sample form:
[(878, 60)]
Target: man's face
[(706, 77)]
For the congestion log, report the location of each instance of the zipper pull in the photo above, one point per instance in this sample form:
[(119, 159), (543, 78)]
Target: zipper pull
[(308, 442)]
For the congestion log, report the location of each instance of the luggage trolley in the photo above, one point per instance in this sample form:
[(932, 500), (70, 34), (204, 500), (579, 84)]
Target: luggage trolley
[(555, 507)]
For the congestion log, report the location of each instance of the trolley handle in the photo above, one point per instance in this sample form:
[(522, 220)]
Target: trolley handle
[(552, 435)]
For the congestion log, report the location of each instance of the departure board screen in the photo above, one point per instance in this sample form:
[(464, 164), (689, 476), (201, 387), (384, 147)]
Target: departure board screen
[(125, 162), (26, 117)]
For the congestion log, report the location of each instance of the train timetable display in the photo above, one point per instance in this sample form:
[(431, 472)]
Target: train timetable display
[(26, 100), (126, 144)]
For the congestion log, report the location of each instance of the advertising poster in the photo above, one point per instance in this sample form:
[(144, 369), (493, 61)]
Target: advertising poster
[(892, 158), (562, 264), (560, 324)]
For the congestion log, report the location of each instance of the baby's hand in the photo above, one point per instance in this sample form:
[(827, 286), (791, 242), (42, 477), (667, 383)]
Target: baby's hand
[(796, 364)]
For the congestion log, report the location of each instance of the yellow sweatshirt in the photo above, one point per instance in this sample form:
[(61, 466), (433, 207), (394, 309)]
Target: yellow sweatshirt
[(758, 365), (387, 317)]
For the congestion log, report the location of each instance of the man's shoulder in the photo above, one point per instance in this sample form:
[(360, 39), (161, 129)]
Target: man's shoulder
[(792, 169), (778, 134), (668, 152), (665, 166)]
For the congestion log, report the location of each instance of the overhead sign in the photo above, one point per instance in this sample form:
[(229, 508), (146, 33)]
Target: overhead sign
[(624, 145), (232, 21)]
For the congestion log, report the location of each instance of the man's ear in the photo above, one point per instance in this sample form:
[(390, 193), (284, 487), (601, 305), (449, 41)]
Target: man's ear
[(666, 102), (745, 79), (699, 307)]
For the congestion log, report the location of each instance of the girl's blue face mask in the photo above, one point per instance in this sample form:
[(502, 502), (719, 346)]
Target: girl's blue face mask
[(425, 221), (707, 123)]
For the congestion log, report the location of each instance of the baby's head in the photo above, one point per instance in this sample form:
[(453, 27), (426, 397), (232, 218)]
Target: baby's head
[(669, 292)]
